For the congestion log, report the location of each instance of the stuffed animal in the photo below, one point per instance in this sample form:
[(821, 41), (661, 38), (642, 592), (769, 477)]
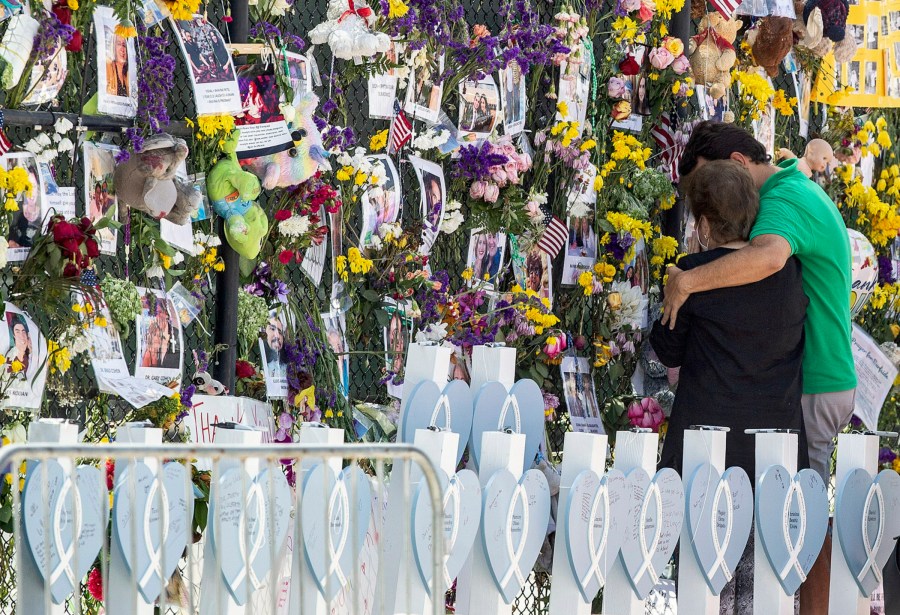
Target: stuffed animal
[(771, 42), (232, 193), (347, 31), (206, 385), (845, 50), (303, 159), (808, 31), (712, 53), (147, 181), (834, 17)]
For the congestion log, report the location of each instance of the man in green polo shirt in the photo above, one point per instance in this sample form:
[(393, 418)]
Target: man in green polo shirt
[(796, 218)]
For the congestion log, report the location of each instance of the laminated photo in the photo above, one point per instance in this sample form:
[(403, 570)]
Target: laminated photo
[(47, 79), (533, 271), (26, 222), (479, 109), (298, 71), (263, 129), (209, 66), (581, 249), (485, 257), (23, 346), (423, 95), (271, 352), (397, 337), (380, 204), (117, 89), (160, 342), (514, 97), (433, 195), (100, 190), (581, 396)]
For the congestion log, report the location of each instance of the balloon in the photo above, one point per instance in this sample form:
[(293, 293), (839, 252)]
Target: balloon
[(865, 271)]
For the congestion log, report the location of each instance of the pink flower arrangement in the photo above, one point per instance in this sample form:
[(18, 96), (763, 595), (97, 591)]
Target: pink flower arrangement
[(661, 58), (646, 413), (681, 64)]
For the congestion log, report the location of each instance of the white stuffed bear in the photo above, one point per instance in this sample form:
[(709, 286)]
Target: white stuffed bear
[(347, 31)]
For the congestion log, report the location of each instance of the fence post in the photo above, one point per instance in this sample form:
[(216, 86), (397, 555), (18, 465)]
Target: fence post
[(854, 451), (228, 281)]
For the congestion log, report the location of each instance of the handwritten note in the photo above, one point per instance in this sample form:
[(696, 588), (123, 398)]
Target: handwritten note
[(875, 376)]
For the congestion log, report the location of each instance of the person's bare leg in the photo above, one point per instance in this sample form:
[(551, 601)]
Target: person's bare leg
[(814, 591)]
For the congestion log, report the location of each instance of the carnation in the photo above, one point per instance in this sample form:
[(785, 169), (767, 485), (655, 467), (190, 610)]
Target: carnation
[(295, 226)]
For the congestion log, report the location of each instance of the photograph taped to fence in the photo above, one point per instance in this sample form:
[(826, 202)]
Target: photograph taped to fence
[(514, 97), (24, 349), (380, 204), (479, 109), (433, 195), (117, 89), (271, 350), (26, 222), (160, 341), (263, 129), (210, 67), (100, 191)]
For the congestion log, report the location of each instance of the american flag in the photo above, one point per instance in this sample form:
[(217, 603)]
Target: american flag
[(554, 237), (5, 144), (401, 130), (670, 148), (726, 8)]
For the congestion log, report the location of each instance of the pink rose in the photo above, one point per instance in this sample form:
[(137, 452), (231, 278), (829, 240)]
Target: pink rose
[(513, 176), (681, 64), (499, 176), (661, 58), (523, 163), (646, 413), (630, 5), (616, 88), (648, 8), (476, 190), (555, 345), (511, 168), (491, 193)]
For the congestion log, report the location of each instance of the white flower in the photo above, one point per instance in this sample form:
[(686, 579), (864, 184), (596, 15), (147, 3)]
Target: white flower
[(633, 305), (451, 222), (433, 333), (295, 226), (155, 272), (33, 147), (579, 209), (393, 228), (63, 125), (16, 433), (79, 344), (66, 145), (43, 139), (4, 246), (46, 156), (344, 159), (178, 258)]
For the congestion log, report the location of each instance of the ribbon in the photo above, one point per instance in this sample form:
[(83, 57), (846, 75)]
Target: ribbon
[(363, 12), (721, 548), (647, 552), (717, 38), (515, 552), (334, 554), (156, 564), (442, 404), (876, 492), (255, 498), (602, 495), (793, 549), (68, 554), (510, 401), (452, 495)]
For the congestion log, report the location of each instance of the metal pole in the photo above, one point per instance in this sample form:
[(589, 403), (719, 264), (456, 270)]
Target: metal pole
[(679, 27), (228, 281)]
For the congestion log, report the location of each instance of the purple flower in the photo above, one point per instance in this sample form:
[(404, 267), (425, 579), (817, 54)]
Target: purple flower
[(266, 32), (886, 455), (619, 244), (266, 286), (886, 270), (475, 162), (187, 395), (52, 35)]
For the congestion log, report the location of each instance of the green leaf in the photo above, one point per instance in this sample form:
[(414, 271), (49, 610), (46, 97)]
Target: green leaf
[(542, 369), (616, 371), (370, 295), (604, 225), (383, 318)]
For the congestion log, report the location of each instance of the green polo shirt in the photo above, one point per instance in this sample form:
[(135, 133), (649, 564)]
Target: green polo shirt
[(793, 207)]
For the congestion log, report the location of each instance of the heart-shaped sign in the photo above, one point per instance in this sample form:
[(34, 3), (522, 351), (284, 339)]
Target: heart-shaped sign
[(248, 521), (449, 409), (345, 504), (153, 515), (867, 528), (596, 519), (720, 518), (77, 511), (521, 409), (462, 514), (792, 519), (657, 506), (514, 518)]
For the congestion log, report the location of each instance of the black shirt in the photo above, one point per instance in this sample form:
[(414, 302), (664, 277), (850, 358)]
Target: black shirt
[(740, 350)]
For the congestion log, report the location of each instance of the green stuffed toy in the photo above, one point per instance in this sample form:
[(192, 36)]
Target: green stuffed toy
[(233, 193)]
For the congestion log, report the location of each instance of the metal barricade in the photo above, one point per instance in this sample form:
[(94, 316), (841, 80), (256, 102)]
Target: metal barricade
[(43, 460)]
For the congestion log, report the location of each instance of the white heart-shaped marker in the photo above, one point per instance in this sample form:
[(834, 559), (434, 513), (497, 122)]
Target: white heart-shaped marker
[(521, 409), (792, 519), (462, 515), (345, 504), (248, 523), (720, 518), (657, 506), (78, 511), (515, 517), (159, 513), (449, 408), (596, 518), (865, 513)]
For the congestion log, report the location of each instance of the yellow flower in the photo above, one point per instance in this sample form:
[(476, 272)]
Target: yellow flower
[(126, 30), (625, 29), (378, 141), (586, 281), (883, 139), (467, 274), (16, 366), (589, 144), (396, 9), (515, 289), (344, 174), (674, 46), (72, 4), (562, 108), (4, 441), (895, 329), (782, 104)]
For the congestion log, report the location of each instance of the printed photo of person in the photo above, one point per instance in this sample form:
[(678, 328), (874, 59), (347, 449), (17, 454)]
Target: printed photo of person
[(207, 56), (397, 336), (897, 56), (894, 19), (100, 191), (573, 401), (381, 204), (853, 77), (336, 336), (871, 77), (515, 103), (47, 79), (581, 396), (433, 195), (872, 32), (298, 72), (160, 333), (423, 95), (533, 272), (117, 82), (479, 105), (485, 256), (116, 66), (26, 222), (858, 32), (273, 344), (640, 102), (20, 345), (259, 99), (637, 271)]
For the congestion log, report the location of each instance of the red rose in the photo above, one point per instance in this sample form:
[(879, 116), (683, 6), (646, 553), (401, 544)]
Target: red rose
[(243, 369), (286, 256), (75, 43), (282, 214), (69, 247), (63, 231), (629, 66), (70, 270), (93, 250), (63, 14)]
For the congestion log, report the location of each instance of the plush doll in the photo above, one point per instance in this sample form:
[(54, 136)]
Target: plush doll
[(712, 53), (303, 159), (771, 42), (845, 50), (147, 181), (808, 31), (232, 193), (347, 31), (834, 17), (816, 159)]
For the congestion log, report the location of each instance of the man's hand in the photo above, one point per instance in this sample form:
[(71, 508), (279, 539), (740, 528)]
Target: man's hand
[(676, 293)]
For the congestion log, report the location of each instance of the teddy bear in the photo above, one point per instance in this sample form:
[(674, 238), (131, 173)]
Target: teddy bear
[(771, 42), (303, 158), (147, 181), (346, 31), (232, 194), (712, 53)]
